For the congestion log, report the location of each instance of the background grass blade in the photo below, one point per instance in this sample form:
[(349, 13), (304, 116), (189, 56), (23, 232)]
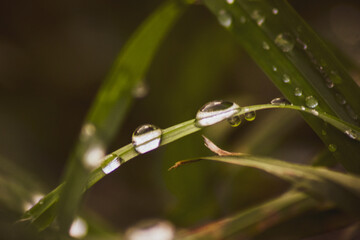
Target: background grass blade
[(323, 184), (255, 220), (113, 101), (302, 58)]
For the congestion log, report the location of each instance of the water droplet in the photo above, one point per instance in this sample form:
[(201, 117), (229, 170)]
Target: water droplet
[(214, 112), (311, 102), (145, 138), (258, 17), (230, 1), (280, 101), (286, 78), (340, 98), (314, 112), (304, 45), (94, 155), (274, 68), (351, 133), (250, 116), (351, 112), (113, 164), (275, 11), (265, 46), (141, 90), (79, 228), (332, 147), (224, 18), (298, 92), (235, 120), (329, 83), (285, 42), (323, 132), (34, 199), (151, 230), (302, 108)]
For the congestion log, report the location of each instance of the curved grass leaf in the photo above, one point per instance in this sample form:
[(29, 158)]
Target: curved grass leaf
[(169, 135), (112, 102), (251, 222), (341, 189), (295, 59)]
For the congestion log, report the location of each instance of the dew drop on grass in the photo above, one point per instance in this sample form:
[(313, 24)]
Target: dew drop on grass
[(332, 147), (275, 11), (113, 164), (151, 230), (235, 120), (141, 90), (311, 102), (274, 68), (280, 101), (302, 108), (250, 116), (214, 112), (230, 1), (87, 130), (297, 92), (285, 42), (340, 98), (286, 78), (145, 138), (351, 134), (224, 18), (265, 45), (258, 17), (314, 112)]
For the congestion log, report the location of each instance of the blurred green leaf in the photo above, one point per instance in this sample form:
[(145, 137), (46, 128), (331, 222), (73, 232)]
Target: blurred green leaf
[(341, 189), (295, 58)]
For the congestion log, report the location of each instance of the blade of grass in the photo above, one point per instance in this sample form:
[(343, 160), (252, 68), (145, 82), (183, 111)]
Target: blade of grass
[(113, 101), (323, 184), (169, 135), (251, 222), (284, 46)]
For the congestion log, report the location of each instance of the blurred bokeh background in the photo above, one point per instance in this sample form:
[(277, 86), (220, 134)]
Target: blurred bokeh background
[(53, 58)]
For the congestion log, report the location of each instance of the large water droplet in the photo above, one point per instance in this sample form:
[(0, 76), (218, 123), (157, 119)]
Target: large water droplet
[(250, 116), (351, 133), (280, 101), (298, 92), (285, 42), (224, 18), (332, 147), (113, 164), (258, 17), (235, 120), (145, 138), (311, 102), (286, 78), (265, 46), (214, 112)]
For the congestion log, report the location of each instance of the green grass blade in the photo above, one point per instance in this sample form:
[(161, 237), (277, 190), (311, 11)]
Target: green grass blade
[(113, 101), (169, 135), (255, 220), (302, 58), (341, 189)]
